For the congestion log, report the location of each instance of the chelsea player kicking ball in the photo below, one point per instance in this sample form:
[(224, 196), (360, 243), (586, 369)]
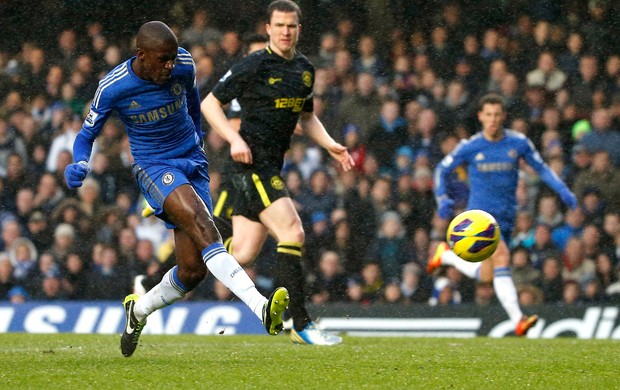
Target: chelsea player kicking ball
[(473, 235)]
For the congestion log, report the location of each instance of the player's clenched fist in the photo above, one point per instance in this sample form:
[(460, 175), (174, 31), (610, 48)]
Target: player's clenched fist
[(75, 173)]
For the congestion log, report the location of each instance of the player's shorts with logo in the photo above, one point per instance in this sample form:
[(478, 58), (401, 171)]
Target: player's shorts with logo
[(255, 191), (157, 180)]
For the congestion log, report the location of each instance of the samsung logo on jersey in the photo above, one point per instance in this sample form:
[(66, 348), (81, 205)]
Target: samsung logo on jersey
[(495, 167), (295, 103), (158, 113)]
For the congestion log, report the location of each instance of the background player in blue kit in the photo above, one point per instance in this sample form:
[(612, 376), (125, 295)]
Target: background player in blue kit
[(492, 159), (155, 95)]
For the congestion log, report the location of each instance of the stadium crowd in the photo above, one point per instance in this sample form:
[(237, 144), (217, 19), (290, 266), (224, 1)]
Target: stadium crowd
[(399, 89)]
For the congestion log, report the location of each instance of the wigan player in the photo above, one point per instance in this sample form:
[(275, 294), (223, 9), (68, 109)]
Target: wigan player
[(492, 159), (274, 88), (155, 95)]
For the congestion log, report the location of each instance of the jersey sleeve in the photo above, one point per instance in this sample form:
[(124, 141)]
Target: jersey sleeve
[(309, 103), (534, 159), (448, 164), (236, 80), (185, 59), (100, 110)]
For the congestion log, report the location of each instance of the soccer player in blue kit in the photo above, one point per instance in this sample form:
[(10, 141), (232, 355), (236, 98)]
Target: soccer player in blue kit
[(155, 95), (492, 159)]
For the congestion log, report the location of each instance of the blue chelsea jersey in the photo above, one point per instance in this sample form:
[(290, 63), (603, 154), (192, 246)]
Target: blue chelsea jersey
[(493, 169), (156, 117)]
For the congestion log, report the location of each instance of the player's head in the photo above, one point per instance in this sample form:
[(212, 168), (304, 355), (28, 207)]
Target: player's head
[(156, 51), (283, 26), (491, 114)]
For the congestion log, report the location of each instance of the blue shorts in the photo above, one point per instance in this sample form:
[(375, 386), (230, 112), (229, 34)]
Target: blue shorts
[(157, 180), (506, 228), (506, 225)]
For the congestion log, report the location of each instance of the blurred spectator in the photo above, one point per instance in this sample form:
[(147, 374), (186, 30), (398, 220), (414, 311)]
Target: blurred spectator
[(317, 238), (357, 150), (597, 178), (328, 45), (542, 247), (426, 140), (549, 212), (568, 60), (444, 293), (602, 136), (372, 282), (106, 180), (108, 280), (228, 52), (303, 157), (591, 237), (529, 295), (572, 226), (583, 85), (330, 284), (485, 294), (347, 246), (546, 74), (368, 60), (15, 178), (200, 32), (63, 141), (10, 143), (523, 272), (23, 255), (390, 248), (392, 293), (576, 265), (75, 277), (319, 196), (11, 232), (387, 135), (571, 292), (415, 285), (362, 108), (604, 268), (51, 289), (18, 295), (7, 280), (64, 242), (593, 206), (552, 282), (611, 231)]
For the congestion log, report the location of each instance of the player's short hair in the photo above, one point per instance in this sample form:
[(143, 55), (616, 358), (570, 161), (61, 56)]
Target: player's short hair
[(491, 98), (283, 6)]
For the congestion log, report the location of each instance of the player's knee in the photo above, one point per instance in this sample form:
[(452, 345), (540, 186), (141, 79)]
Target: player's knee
[(295, 234), (245, 252)]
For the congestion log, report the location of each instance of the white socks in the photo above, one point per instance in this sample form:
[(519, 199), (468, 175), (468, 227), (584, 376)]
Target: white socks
[(167, 292), (228, 271), (467, 268), (503, 284), (506, 293)]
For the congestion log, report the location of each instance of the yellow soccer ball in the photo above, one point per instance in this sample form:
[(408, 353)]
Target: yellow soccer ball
[(473, 235)]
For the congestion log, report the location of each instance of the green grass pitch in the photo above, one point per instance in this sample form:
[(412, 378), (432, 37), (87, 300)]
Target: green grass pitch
[(70, 361)]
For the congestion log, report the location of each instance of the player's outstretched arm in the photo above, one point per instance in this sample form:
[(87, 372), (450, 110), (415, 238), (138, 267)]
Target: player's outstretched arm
[(313, 127), (213, 111), (533, 159)]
